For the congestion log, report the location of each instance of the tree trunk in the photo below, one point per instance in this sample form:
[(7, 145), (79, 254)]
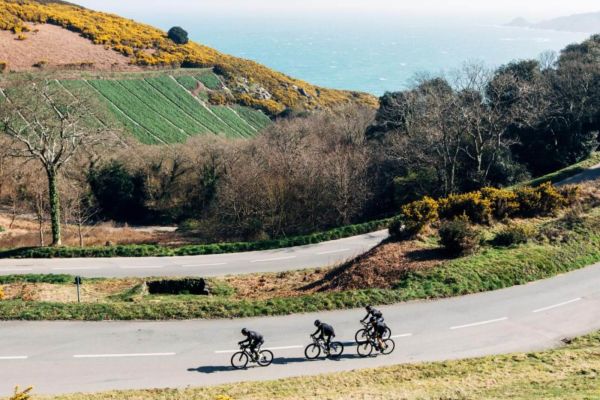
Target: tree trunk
[(79, 231), (54, 207)]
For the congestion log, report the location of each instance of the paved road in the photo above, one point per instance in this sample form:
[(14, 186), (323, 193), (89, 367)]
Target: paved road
[(585, 176), (317, 255), (59, 357)]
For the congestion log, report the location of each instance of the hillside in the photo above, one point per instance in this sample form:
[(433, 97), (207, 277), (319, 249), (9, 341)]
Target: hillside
[(125, 44), (161, 107), (587, 22)]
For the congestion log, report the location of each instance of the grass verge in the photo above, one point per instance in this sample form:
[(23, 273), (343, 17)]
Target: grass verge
[(490, 269), (570, 372), (194, 250)]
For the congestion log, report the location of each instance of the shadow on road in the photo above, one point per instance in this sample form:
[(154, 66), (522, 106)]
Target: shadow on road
[(276, 361), (212, 369)]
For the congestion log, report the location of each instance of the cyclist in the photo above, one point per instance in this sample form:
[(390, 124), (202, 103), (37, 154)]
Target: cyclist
[(325, 332), (372, 312), (253, 341), (379, 329)]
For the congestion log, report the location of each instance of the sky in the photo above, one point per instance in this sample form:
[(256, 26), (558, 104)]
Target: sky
[(491, 10)]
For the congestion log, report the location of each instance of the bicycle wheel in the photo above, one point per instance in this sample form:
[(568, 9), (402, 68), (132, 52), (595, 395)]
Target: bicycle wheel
[(364, 349), (361, 336), (312, 351), (387, 334), (265, 358), (336, 349), (388, 346), (239, 360)]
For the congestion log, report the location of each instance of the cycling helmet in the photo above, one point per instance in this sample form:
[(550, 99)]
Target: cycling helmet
[(244, 331), (317, 323), (369, 308)]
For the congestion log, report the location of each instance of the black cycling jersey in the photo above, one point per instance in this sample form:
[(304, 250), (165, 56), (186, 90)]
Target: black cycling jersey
[(325, 330), (373, 313), (380, 327), (253, 339)]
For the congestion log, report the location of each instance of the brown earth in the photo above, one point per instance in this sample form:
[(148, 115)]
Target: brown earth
[(379, 268), (90, 292), (59, 48)]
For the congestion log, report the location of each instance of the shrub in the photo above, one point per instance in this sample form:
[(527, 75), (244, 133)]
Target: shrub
[(41, 64), (3, 66), (178, 286), (515, 234), (21, 37), (2, 229), (217, 99), (21, 395), (473, 205), (1, 293), (414, 218), (541, 200), (570, 194), (503, 202), (458, 236), (178, 35)]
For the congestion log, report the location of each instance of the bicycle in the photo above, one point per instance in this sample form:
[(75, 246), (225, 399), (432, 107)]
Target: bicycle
[(313, 350), (365, 349), (363, 334), (240, 359)]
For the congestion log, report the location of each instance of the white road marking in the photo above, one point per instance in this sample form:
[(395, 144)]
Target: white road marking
[(491, 321), (401, 336), (202, 265), (332, 252), (15, 269), (123, 355), (273, 259), (74, 268), (143, 267), (265, 348), (564, 303), (13, 358)]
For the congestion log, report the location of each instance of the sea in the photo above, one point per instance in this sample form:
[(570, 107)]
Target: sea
[(373, 53), (377, 58)]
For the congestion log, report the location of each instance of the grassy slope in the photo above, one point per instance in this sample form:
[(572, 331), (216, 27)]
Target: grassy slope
[(569, 373), (156, 108), (146, 45), (565, 173), (493, 268)]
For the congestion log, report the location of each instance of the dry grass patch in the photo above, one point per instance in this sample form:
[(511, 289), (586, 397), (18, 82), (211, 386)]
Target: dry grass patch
[(91, 292)]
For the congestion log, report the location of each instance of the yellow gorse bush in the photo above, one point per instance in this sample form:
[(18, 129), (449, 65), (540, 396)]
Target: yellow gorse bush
[(481, 206), (149, 46), (21, 395)]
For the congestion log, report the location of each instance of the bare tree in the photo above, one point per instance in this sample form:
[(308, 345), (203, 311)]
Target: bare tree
[(50, 126)]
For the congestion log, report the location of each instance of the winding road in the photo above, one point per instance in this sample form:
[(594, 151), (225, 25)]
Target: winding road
[(59, 357), (64, 357), (301, 257)]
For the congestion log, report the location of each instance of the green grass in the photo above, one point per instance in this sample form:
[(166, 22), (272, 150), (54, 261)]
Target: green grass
[(158, 108), (210, 80), (571, 372), (189, 250), (491, 269), (565, 173)]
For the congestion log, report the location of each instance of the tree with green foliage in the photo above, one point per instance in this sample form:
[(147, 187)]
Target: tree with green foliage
[(178, 35), (50, 126)]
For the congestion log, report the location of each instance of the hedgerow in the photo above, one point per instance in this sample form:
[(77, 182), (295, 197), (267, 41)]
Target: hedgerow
[(190, 250)]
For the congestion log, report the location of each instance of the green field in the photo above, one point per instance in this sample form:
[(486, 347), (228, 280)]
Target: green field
[(165, 107)]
